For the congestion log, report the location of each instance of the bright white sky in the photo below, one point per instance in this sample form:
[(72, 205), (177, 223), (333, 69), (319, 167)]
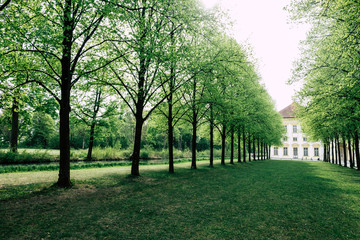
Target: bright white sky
[(263, 24)]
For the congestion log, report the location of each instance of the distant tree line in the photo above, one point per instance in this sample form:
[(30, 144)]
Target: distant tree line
[(329, 103), (129, 74)]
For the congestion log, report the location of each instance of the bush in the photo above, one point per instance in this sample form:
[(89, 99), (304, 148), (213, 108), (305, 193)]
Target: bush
[(25, 157)]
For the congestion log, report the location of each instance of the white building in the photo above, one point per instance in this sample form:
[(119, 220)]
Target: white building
[(295, 144)]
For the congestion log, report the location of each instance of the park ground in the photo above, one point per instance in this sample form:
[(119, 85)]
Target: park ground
[(258, 200)]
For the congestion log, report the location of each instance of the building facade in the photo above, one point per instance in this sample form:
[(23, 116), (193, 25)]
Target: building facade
[(295, 144)]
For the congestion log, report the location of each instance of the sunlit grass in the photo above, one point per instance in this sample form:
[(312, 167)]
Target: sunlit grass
[(257, 200)]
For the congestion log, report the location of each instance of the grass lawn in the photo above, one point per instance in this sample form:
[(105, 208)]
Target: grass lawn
[(257, 200)]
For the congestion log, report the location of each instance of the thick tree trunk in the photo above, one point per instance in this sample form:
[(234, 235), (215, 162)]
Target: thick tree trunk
[(135, 157), (244, 144), (239, 145), (14, 124), (223, 139), (357, 153), (232, 147), (64, 171), (325, 148), (66, 76), (211, 136)]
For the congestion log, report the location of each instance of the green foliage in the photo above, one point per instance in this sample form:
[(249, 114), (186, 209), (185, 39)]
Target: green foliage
[(328, 103), (25, 157)]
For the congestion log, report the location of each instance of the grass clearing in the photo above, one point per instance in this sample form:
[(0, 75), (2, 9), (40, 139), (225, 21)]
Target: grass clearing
[(257, 200)]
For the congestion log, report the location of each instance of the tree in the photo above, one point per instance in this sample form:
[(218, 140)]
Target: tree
[(62, 41)]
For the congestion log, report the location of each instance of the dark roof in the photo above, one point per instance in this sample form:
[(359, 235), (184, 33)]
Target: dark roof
[(288, 112)]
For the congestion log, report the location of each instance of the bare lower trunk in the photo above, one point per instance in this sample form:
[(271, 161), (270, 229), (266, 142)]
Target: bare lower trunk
[(239, 146), (64, 171), (339, 151), (350, 154), (135, 157), (211, 136), (223, 138), (232, 148), (193, 144), (91, 142), (332, 152), (14, 125), (170, 136), (249, 146), (244, 145), (345, 157), (357, 153), (254, 150)]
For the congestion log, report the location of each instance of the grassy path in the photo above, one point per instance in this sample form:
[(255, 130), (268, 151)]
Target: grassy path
[(257, 200)]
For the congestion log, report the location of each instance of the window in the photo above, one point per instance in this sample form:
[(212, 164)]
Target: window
[(304, 139), (285, 151), (294, 128), (295, 151), (285, 128), (316, 152), (285, 139), (276, 151), (306, 152), (294, 139)]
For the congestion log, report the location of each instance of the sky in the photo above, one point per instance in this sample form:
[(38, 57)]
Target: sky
[(264, 25)]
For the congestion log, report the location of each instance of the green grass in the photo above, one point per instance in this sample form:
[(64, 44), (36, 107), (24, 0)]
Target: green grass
[(11, 168), (257, 200)]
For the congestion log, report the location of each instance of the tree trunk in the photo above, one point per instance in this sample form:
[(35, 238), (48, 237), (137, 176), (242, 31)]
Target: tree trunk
[(223, 139), (357, 153), (193, 146), (91, 141), (135, 157), (14, 124), (244, 144), (350, 154), (258, 149), (344, 147), (325, 149), (339, 150), (232, 147), (194, 126), (66, 76), (170, 128), (239, 145), (249, 146), (211, 136), (254, 150), (332, 151)]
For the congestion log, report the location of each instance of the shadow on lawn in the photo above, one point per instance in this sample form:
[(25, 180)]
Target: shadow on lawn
[(257, 200)]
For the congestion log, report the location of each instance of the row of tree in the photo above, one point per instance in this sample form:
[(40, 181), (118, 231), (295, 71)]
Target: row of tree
[(167, 58), (329, 103)]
